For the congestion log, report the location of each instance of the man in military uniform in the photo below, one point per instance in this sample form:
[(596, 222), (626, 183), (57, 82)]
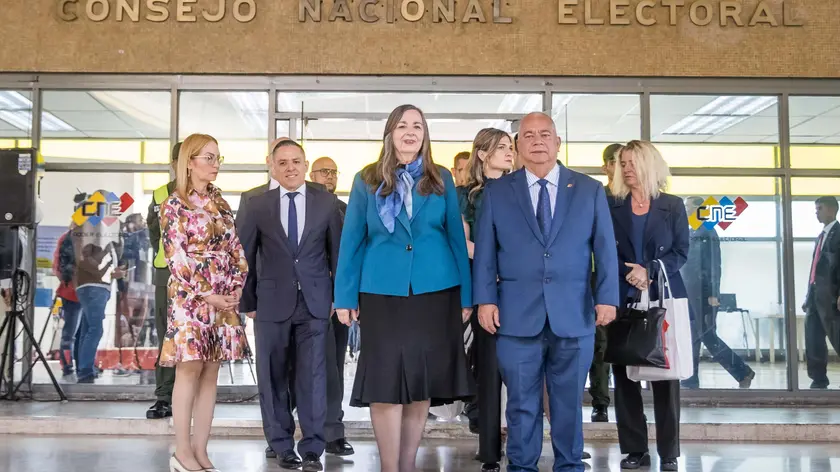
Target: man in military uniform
[(164, 376)]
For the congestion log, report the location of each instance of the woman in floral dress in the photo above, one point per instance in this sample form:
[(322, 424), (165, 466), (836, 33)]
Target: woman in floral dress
[(208, 271)]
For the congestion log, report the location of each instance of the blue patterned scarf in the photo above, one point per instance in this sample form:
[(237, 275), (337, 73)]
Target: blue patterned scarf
[(390, 206)]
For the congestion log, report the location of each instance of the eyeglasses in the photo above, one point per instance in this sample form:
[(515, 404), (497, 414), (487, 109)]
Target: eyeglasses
[(211, 159), (328, 172)]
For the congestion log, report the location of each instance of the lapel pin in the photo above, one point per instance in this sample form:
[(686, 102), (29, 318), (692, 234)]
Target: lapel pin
[(570, 185)]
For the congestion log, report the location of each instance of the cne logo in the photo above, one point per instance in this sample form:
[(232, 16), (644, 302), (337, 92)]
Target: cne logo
[(714, 212), (103, 208)]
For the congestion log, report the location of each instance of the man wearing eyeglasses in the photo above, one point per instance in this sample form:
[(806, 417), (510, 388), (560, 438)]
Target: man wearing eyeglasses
[(325, 172)]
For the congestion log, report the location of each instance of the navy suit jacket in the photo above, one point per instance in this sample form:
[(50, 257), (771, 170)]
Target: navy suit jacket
[(666, 239), (271, 290), (529, 278)]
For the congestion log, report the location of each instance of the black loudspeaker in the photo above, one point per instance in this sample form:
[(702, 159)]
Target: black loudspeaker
[(18, 176)]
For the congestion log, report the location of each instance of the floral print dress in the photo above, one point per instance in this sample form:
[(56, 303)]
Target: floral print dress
[(205, 258)]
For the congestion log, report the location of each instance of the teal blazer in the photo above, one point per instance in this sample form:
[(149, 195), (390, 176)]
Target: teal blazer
[(427, 253)]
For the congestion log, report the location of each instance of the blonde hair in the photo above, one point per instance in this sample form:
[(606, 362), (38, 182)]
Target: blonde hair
[(486, 140), (190, 148), (652, 171)]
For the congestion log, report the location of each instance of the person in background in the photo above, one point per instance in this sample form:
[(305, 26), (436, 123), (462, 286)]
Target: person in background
[(599, 372), (164, 376), (701, 274), (325, 172), (649, 225), (534, 237), (96, 254), (64, 267), (491, 157), (459, 167), (404, 266), (208, 270), (822, 304)]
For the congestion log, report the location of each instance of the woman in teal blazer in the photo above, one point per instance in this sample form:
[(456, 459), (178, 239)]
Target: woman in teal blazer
[(403, 267)]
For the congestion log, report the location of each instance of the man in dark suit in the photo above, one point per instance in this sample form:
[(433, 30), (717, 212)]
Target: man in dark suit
[(334, 430), (822, 304), (294, 231), (538, 234), (701, 274)]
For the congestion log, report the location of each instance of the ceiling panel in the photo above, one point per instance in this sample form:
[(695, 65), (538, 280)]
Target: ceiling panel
[(55, 101), (314, 102)]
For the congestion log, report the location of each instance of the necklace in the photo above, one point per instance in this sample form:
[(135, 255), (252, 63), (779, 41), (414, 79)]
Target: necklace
[(640, 204)]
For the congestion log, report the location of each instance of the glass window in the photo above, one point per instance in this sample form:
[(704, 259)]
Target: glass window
[(815, 132), (818, 332), (735, 131), (238, 120), (105, 126), (588, 123), (15, 116), (733, 277), (128, 348), (352, 102)]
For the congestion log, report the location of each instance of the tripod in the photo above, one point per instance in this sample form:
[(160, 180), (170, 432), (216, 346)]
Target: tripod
[(19, 303)]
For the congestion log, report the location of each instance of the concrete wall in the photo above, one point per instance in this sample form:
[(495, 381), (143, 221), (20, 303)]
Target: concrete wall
[(775, 38)]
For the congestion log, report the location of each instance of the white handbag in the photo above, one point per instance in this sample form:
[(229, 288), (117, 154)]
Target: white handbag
[(678, 344)]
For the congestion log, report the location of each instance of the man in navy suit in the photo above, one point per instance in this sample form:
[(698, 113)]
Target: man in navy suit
[(538, 233), (294, 231)]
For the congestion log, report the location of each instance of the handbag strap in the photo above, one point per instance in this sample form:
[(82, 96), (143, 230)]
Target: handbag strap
[(664, 283)]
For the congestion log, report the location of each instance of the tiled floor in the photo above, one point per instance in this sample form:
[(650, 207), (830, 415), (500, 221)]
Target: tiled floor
[(38, 454)]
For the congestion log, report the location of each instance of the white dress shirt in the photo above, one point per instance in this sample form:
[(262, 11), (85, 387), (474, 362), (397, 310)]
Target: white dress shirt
[(826, 230), (534, 187), (300, 206)]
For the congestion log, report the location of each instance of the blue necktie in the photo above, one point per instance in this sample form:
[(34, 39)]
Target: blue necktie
[(544, 209), (292, 225)]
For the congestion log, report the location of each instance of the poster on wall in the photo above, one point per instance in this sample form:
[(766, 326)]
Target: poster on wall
[(47, 241)]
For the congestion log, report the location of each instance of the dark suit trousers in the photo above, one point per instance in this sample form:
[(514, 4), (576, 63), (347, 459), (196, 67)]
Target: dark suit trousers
[(630, 415), (821, 321), (489, 393), (704, 330), (164, 376), (599, 372), (336, 349), (305, 335), (526, 364)]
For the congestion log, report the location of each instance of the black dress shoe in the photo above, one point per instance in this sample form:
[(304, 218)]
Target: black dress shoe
[(586, 455), (269, 453), (312, 463), (668, 465), (159, 410), (340, 447), (289, 460), (600, 414), (635, 461), (494, 467)]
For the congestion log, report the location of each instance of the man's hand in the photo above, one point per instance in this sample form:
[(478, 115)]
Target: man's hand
[(713, 301), (488, 318), (465, 314), (7, 297), (346, 317), (604, 315), (251, 314)]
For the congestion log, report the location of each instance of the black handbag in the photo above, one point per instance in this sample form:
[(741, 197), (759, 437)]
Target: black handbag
[(636, 337)]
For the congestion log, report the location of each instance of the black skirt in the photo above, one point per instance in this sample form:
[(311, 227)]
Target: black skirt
[(412, 349)]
